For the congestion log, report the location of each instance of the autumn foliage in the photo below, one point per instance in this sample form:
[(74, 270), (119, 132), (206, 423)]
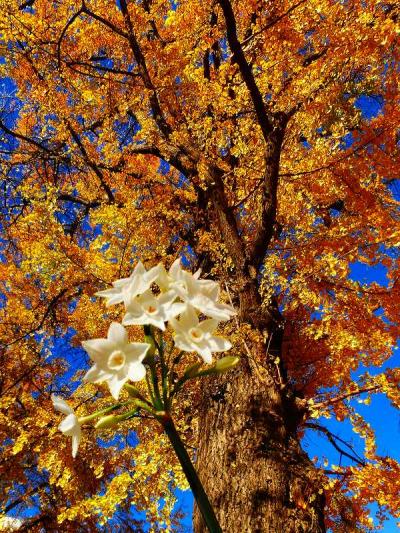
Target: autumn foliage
[(227, 132)]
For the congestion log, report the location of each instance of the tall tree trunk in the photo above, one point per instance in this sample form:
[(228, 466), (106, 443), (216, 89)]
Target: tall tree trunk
[(250, 461), (249, 456)]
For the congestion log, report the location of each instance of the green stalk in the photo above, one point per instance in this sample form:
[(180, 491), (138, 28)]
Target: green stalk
[(151, 362), (191, 475), (88, 418)]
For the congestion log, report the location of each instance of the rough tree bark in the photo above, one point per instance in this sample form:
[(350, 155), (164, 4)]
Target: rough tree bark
[(249, 457)]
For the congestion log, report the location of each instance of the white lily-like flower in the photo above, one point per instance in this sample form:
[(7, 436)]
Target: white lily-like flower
[(166, 280), (150, 309), (116, 359), (203, 295), (125, 289), (191, 335), (70, 425)]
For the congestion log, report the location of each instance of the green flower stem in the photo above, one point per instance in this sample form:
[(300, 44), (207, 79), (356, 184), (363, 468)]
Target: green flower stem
[(88, 418), (164, 370), (151, 362), (191, 475)]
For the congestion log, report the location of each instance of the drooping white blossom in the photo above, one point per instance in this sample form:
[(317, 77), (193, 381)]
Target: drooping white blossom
[(191, 335), (116, 359), (150, 309), (203, 295), (70, 426), (125, 289)]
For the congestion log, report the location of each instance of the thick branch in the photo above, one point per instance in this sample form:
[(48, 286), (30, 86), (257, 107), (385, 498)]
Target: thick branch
[(264, 120), (337, 399), (273, 128), (90, 163), (144, 73)]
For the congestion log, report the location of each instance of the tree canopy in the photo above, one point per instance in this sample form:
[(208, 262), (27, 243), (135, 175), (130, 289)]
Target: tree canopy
[(226, 132)]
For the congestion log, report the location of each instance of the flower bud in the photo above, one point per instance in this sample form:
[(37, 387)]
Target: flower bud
[(108, 421), (226, 363)]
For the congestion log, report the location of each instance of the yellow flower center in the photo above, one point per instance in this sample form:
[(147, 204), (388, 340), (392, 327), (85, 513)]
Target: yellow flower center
[(116, 360), (196, 334), (151, 309)]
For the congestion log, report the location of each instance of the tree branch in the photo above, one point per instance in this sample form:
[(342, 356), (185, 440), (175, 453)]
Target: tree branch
[(239, 58), (144, 73), (90, 163), (334, 439)]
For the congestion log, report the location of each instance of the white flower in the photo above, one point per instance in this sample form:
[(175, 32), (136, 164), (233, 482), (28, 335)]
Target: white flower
[(116, 360), (125, 289), (149, 309), (194, 336), (166, 280), (70, 425), (203, 295)]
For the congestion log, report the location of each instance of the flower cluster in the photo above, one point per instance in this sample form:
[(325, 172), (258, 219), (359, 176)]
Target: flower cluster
[(180, 293), (154, 297)]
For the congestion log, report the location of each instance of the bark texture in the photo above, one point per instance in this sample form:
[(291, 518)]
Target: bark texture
[(250, 461)]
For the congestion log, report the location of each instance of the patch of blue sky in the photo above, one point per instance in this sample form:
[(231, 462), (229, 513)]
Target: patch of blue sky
[(126, 131), (394, 187), (88, 232), (370, 105), (75, 358), (10, 104), (367, 274)]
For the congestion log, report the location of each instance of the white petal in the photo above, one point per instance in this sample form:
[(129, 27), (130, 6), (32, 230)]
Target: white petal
[(136, 371), (175, 270), (109, 293), (163, 280), (139, 270), (175, 310), (153, 273), (61, 405), (68, 424), (117, 333), (147, 298), (189, 318), (131, 319), (220, 312), (166, 298), (135, 307), (96, 375), (205, 353), (176, 326), (115, 384), (208, 326), (218, 344), (136, 351), (182, 343), (123, 282), (197, 274), (157, 321), (98, 349), (75, 443)]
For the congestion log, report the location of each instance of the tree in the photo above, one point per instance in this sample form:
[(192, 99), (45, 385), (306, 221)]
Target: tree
[(227, 132)]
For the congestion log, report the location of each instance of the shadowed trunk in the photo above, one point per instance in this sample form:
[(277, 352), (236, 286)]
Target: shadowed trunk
[(255, 474)]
